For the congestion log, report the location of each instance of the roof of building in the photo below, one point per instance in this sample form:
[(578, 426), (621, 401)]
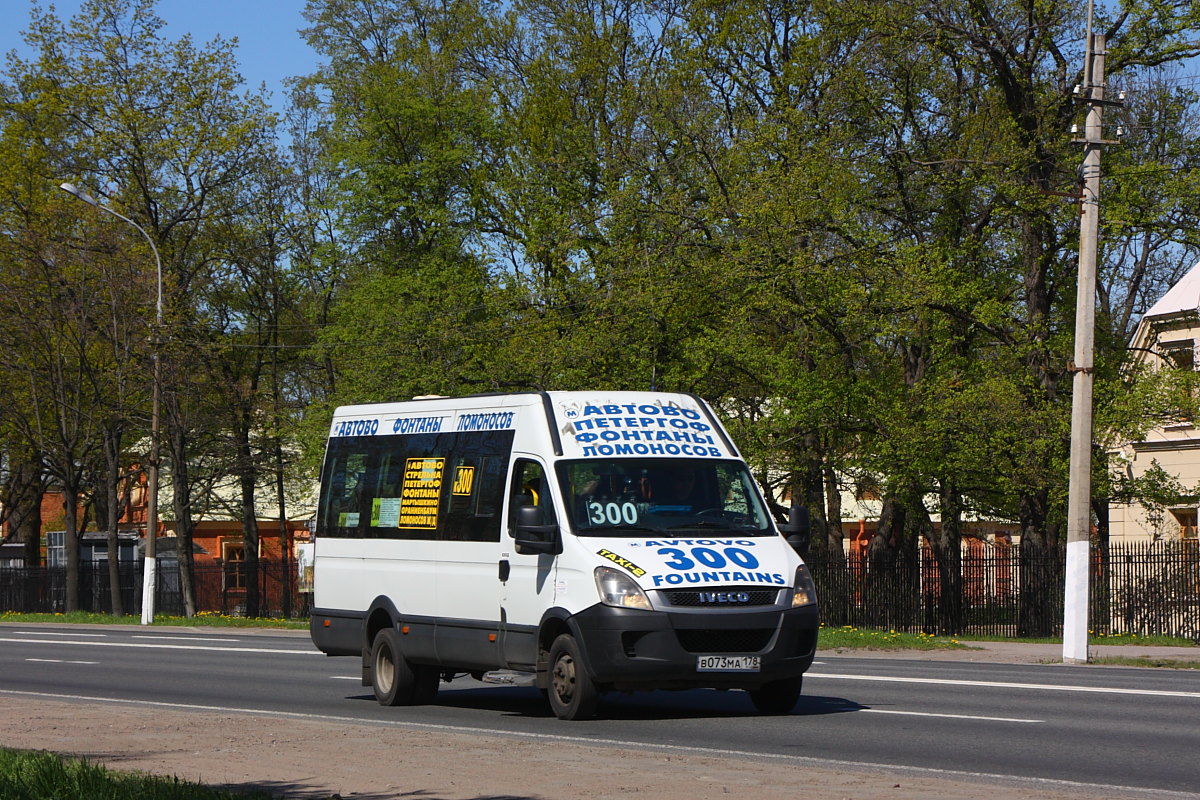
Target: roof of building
[(1183, 296)]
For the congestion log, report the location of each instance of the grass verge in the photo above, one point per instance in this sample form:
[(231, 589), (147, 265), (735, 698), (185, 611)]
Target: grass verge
[(1093, 638), (1146, 661), (202, 619), (26, 775), (849, 637)]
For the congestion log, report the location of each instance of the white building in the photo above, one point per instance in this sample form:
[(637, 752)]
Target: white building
[(1166, 338)]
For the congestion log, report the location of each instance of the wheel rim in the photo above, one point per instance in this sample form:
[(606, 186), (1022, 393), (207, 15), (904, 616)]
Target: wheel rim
[(564, 679), (385, 670)]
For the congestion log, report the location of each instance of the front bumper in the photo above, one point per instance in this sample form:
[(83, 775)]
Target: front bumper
[(628, 649)]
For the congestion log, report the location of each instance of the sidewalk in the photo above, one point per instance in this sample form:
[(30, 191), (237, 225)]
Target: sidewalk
[(1018, 653)]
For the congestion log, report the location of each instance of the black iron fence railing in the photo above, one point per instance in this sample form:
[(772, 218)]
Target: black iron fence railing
[(217, 590), (1144, 588), (1148, 589)]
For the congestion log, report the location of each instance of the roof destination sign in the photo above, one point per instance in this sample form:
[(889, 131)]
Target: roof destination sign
[(608, 427)]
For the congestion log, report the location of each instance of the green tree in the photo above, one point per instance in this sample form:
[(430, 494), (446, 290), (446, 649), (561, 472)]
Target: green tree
[(404, 122), (849, 225), (158, 129)]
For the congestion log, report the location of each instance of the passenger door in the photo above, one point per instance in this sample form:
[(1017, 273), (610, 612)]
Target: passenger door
[(526, 580)]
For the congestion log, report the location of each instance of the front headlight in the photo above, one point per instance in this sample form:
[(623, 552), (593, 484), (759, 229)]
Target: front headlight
[(804, 591), (620, 590)]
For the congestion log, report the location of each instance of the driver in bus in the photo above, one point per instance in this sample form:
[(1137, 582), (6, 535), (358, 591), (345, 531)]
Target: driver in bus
[(674, 491)]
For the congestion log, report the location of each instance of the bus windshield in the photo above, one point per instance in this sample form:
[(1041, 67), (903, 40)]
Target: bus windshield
[(631, 496)]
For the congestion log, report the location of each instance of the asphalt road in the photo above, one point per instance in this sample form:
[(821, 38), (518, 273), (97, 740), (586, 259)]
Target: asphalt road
[(1113, 727)]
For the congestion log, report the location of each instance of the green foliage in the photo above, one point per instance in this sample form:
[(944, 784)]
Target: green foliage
[(846, 224), (28, 775), (842, 222)]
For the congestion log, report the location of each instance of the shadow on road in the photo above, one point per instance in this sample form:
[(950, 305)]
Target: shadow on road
[(659, 705)]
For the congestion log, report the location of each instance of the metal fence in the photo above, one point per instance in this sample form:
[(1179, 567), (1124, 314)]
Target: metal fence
[(217, 589), (1144, 589), (1152, 588), (1148, 589)]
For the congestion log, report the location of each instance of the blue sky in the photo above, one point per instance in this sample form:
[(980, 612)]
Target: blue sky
[(269, 46)]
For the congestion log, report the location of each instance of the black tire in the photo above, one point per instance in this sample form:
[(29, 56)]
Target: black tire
[(572, 693), (392, 677), (777, 697)]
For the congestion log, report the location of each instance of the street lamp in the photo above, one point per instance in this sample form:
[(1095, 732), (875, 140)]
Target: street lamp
[(150, 575)]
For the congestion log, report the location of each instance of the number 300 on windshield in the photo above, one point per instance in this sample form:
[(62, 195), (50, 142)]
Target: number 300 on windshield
[(612, 513)]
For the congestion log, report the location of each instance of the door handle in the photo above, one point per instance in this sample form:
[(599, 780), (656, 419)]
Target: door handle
[(505, 569)]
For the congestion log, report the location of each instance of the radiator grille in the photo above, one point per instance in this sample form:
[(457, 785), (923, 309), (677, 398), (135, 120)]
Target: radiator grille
[(724, 641), (691, 598)]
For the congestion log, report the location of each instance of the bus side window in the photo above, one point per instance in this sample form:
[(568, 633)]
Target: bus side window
[(345, 504), (391, 475)]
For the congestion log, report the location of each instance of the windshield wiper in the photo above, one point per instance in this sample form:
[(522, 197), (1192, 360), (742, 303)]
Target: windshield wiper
[(608, 528), (705, 523)]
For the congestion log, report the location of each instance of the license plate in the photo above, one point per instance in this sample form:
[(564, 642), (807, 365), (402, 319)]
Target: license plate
[(727, 664)]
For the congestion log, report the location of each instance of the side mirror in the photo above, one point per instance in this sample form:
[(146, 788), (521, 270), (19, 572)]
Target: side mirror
[(531, 535), (798, 530)]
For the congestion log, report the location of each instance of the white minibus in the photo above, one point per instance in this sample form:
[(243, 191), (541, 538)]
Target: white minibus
[(599, 541)]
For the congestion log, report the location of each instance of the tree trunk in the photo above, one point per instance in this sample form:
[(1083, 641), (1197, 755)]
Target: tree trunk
[(947, 554), (835, 536), (1102, 612), (918, 527), (71, 548), (246, 476), (109, 502), (250, 539), (882, 556), (181, 504), (1035, 557), (285, 555), (285, 552), (812, 486)]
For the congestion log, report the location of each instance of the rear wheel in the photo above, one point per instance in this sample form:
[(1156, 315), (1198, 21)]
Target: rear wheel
[(572, 693), (777, 697), (394, 681)]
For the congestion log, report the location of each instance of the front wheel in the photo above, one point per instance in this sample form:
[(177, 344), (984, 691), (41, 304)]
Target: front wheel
[(777, 697), (572, 693)]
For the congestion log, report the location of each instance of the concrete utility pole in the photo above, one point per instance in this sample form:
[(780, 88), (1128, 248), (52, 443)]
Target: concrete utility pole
[(1079, 512)]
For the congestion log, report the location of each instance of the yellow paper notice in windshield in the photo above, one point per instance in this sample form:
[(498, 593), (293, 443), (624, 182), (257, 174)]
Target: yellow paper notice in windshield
[(422, 488)]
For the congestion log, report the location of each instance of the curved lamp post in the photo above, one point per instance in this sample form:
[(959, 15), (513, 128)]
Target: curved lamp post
[(150, 574)]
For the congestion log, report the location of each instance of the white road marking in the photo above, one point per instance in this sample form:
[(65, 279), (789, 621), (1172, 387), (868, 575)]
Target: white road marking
[(942, 716), (313, 652), (1048, 687), (189, 638), (345, 678), (59, 661), (59, 633), (1091, 789)]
